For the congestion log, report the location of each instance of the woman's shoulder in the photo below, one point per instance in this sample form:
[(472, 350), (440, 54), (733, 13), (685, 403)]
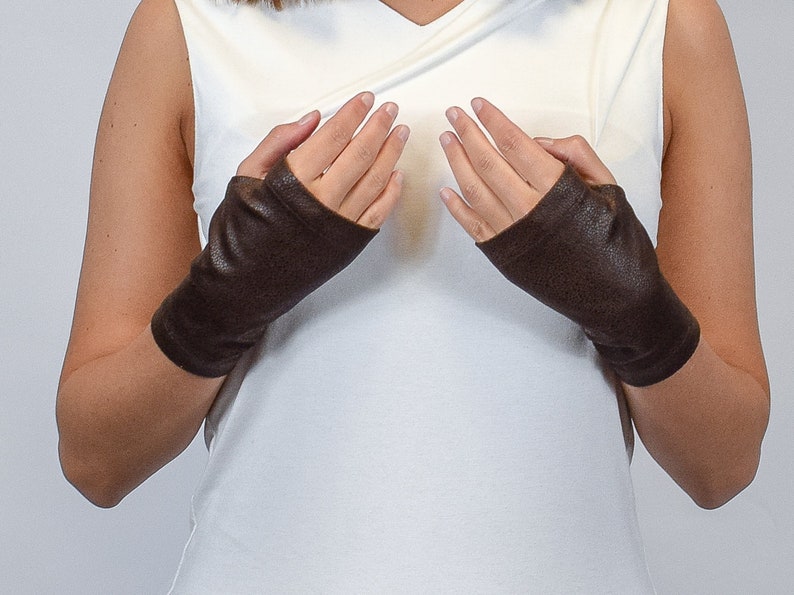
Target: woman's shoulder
[(697, 26), (697, 37), (155, 23), (157, 14), (152, 71), (698, 55)]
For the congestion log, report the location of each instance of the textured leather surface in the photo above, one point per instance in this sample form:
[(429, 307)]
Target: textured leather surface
[(270, 244), (583, 252)]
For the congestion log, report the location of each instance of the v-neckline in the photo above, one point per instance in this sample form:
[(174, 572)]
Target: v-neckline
[(410, 20)]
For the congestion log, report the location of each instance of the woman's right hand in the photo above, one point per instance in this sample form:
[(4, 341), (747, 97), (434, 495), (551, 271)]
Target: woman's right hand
[(352, 174), (273, 241)]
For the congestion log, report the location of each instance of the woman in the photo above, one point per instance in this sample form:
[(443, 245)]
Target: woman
[(417, 422)]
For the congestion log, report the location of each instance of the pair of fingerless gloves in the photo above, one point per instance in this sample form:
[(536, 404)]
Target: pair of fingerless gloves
[(581, 251)]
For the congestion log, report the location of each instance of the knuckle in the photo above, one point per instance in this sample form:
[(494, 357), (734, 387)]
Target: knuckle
[(511, 142), (473, 193), (476, 230), (338, 135), (377, 179), (363, 152), (277, 131), (578, 139), (580, 144), (373, 219), (485, 162)]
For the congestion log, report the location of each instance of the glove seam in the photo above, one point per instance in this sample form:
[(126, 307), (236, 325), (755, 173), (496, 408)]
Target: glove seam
[(538, 242)]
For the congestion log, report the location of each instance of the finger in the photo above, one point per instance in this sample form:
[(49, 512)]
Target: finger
[(576, 151), (279, 141), (477, 193), (489, 165), (526, 156), (314, 156), (374, 181), (469, 220), (357, 158), (374, 216)]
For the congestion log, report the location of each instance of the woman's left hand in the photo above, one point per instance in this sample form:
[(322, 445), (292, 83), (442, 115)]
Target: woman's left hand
[(503, 181), (549, 217)]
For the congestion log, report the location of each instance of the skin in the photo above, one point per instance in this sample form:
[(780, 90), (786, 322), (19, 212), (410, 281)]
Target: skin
[(124, 410), (353, 174), (704, 425), (422, 13)]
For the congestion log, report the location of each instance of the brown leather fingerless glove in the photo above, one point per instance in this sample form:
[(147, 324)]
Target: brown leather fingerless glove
[(270, 244), (583, 252)]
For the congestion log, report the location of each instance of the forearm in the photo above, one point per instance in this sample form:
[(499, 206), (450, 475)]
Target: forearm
[(123, 416), (704, 425)]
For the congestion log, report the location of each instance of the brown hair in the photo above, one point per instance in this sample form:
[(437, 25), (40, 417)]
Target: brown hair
[(277, 4)]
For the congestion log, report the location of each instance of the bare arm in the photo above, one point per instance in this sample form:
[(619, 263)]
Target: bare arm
[(705, 424), (123, 409)]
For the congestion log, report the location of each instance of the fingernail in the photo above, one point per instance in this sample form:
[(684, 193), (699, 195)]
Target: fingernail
[(398, 176), (452, 114), (403, 132), (307, 118), (476, 105), (543, 140), (368, 99), (445, 194), (391, 109), (446, 138)]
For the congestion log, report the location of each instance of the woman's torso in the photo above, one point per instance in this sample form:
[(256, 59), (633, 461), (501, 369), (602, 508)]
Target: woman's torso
[(418, 423)]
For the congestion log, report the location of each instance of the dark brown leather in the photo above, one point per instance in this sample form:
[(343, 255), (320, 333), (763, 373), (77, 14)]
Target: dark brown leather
[(583, 252), (270, 244)]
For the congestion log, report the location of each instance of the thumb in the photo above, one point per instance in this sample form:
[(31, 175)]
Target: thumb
[(279, 141), (577, 152)]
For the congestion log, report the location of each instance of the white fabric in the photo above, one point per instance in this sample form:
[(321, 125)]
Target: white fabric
[(418, 424)]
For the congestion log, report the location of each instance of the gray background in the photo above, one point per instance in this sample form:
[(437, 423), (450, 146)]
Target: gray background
[(55, 61)]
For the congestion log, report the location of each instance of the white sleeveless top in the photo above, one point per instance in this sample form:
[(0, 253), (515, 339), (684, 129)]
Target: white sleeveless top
[(419, 424)]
